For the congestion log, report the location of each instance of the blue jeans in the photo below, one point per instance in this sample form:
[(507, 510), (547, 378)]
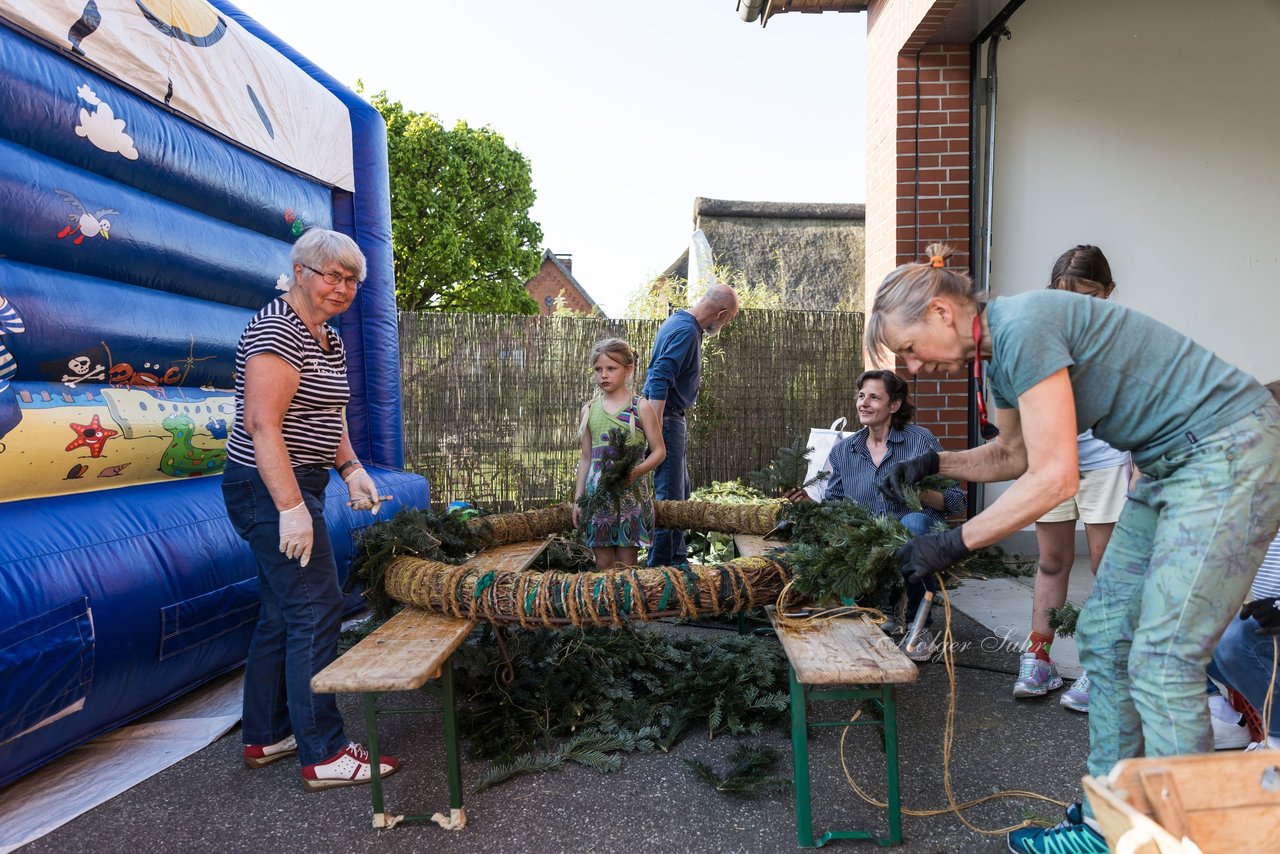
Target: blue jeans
[(1244, 659), (671, 483), (301, 613), (1180, 561), (916, 523)]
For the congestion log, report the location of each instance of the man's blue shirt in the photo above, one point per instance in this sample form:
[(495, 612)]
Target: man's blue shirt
[(675, 370)]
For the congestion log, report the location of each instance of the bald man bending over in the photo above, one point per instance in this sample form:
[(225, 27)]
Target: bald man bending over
[(674, 374)]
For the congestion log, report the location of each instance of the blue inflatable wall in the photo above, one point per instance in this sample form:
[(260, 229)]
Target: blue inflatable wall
[(155, 168)]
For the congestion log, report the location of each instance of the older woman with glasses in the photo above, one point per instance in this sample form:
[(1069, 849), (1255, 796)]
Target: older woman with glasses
[(1190, 538), (290, 431)]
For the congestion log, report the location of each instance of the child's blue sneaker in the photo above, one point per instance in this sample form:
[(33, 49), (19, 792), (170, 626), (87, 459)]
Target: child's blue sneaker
[(1062, 839)]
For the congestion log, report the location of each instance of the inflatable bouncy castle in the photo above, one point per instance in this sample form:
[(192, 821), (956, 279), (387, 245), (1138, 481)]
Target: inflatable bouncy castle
[(157, 160)]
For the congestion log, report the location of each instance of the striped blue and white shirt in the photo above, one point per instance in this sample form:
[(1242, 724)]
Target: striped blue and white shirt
[(854, 475), (312, 424), (1266, 584)]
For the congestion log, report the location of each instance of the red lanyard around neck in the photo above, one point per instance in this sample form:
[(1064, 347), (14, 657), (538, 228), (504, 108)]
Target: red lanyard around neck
[(988, 430)]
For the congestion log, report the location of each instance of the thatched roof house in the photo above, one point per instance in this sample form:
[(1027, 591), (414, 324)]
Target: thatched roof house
[(810, 252)]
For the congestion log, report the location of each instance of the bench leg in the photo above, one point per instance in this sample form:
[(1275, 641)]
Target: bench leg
[(894, 798), (452, 759), (375, 763), (800, 760)]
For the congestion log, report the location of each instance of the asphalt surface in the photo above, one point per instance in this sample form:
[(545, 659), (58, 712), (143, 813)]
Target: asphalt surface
[(210, 803)]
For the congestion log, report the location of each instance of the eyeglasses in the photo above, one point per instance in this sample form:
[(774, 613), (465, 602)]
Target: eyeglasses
[(333, 277)]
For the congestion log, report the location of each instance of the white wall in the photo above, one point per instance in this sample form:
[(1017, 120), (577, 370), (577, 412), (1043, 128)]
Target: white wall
[(1150, 128)]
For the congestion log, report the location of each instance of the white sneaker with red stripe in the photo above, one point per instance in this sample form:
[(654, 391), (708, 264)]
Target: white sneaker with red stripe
[(350, 766), (258, 755)]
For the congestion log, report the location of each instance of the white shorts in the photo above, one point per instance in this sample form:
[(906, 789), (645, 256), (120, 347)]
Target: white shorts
[(1098, 501)]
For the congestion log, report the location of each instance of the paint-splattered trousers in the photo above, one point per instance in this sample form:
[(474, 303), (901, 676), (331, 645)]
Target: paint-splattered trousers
[(1178, 567)]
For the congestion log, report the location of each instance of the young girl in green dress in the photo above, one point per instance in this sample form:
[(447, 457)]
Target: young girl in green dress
[(615, 536)]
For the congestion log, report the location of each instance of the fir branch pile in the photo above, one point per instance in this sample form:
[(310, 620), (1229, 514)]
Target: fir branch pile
[(787, 472), (619, 457), (841, 553), (576, 691), (443, 537)]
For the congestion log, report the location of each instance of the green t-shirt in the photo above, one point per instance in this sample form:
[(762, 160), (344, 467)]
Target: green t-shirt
[(1140, 385)]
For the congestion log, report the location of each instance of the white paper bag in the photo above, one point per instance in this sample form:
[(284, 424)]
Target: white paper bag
[(822, 441)]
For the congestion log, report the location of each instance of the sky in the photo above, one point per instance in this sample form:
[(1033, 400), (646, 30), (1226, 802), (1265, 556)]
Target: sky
[(627, 111)]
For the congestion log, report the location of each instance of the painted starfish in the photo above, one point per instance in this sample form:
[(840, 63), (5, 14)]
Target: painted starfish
[(92, 436)]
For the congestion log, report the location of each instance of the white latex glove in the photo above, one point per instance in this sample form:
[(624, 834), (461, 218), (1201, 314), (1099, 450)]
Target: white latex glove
[(362, 491), (296, 533)]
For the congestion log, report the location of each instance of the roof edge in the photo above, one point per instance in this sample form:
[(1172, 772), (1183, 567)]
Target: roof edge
[(778, 210)]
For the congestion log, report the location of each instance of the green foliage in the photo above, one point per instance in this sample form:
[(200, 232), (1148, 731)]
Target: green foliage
[(660, 295), (589, 749), (620, 456), (442, 537), (565, 554), (560, 308), (745, 774), (634, 690), (728, 492), (461, 235), (787, 472), (712, 547), (840, 552), (1062, 621), (933, 483)]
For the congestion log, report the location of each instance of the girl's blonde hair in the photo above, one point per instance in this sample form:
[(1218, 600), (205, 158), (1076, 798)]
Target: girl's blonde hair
[(622, 353), (904, 295)]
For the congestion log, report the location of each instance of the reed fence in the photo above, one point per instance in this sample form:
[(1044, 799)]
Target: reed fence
[(491, 402)]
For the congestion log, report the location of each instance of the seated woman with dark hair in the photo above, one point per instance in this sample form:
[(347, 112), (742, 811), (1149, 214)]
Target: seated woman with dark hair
[(858, 464)]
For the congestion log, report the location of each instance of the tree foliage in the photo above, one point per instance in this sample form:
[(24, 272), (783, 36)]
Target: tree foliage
[(655, 298), (461, 235)]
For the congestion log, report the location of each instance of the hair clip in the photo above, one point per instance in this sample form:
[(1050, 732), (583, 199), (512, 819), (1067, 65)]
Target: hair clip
[(937, 262)]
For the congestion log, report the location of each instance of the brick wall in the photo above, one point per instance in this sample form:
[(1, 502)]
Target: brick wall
[(548, 283), (918, 169)]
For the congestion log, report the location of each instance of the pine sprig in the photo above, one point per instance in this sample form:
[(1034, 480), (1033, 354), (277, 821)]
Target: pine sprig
[(620, 456), (786, 472), (1062, 621), (745, 774), (934, 482)]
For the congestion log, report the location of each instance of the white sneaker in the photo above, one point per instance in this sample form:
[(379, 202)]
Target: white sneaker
[(1227, 735), (258, 755), (1272, 743), (350, 766)]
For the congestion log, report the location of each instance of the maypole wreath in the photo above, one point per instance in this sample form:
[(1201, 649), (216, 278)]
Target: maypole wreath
[(476, 590)]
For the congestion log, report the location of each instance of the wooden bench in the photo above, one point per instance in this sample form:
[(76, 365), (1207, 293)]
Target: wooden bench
[(848, 651), (403, 654)]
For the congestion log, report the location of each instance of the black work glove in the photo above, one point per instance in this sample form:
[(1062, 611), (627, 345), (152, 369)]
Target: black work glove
[(1266, 612), (907, 473), (928, 554)]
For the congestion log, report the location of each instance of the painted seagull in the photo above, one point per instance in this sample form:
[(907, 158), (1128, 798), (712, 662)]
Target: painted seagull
[(88, 224)]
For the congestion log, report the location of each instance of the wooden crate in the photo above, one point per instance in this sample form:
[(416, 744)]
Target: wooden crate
[(1215, 803)]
